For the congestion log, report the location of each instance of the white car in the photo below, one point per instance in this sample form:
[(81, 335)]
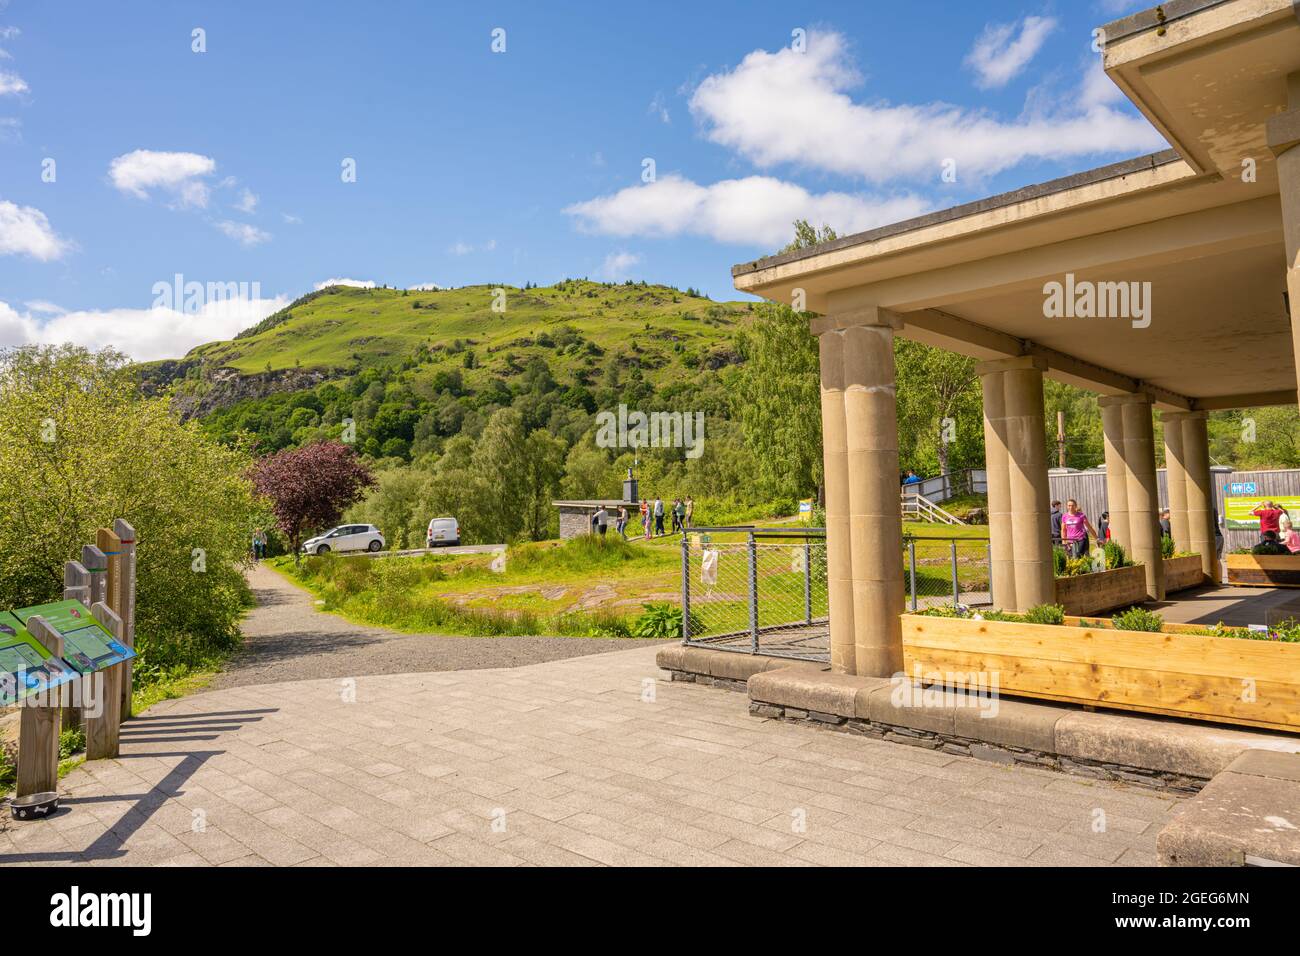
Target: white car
[(443, 531), (346, 537)]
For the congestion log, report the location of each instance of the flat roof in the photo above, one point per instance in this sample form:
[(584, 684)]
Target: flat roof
[(1037, 191)]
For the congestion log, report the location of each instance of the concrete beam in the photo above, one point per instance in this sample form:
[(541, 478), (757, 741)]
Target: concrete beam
[(1250, 400)]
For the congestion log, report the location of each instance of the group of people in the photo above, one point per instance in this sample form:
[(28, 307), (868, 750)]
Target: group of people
[(682, 513), (1071, 528), (1276, 529)]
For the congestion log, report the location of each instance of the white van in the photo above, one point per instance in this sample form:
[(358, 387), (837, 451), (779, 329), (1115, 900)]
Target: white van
[(346, 537), (443, 531)]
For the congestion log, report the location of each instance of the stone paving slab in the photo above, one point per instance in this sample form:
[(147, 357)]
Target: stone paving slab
[(587, 761)]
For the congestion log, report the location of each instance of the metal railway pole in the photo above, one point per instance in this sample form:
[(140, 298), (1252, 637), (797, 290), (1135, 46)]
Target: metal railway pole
[(807, 581), (911, 567), (686, 588), (753, 594), (956, 588)]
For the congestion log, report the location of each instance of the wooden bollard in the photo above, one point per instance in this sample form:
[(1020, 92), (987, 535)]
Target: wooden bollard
[(76, 587), (38, 728), (103, 714), (96, 562), (125, 606)]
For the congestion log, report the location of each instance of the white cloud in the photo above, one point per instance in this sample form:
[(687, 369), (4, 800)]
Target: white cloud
[(180, 174), (291, 219), (462, 248), (352, 283), (426, 287), (659, 108), (143, 334), (789, 107), (247, 202), (42, 306), (617, 265), (243, 233), (1001, 53), (8, 33), (756, 210), (12, 83), (25, 231)]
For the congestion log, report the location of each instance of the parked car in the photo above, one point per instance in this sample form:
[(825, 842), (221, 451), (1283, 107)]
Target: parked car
[(443, 531), (346, 537)]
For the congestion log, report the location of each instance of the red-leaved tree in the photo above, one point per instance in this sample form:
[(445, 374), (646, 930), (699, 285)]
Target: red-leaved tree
[(310, 487)]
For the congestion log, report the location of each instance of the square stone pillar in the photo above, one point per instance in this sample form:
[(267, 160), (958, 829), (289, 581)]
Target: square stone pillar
[(1202, 518), (1137, 452), (839, 565), (1283, 135), (1020, 531), (1112, 429), (1176, 479), (875, 522)]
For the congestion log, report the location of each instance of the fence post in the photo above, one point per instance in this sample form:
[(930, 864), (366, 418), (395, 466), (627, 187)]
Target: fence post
[(807, 581), (956, 588), (38, 728), (989, 550), (102, 728), (686, 588), (76, 587), (753, 594), (911, 567), (126, 606)]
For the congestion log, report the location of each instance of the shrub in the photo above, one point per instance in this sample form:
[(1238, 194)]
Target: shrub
[(1138, 619), (660, 620), (1059, 561), (1115, 556), (1269, 547), (1045, 614), (1077, 566), (1166, 546)]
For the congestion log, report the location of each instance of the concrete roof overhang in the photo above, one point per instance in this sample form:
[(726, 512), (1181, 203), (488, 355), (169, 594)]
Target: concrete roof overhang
[(1207, 238)]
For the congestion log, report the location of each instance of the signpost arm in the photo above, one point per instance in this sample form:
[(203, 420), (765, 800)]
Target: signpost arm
[(38, 731), (95, 562), (126, 606), (104, 717)]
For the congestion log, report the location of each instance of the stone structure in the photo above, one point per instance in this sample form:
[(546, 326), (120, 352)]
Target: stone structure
[(575, 516)]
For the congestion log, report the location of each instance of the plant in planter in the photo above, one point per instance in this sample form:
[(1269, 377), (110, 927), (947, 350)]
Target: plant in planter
[(1138, 619)]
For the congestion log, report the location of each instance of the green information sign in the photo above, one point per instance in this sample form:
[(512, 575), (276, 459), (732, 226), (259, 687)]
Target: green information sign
[(26, 667), (87, 644)]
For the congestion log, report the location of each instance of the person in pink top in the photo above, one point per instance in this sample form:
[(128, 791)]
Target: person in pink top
[(1288, 535), (1075, 528)]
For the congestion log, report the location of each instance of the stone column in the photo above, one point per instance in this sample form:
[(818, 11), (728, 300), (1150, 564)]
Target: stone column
[(1176, 478), (839, 566), (1283, 134), (996, 465), (1202, 517), (1137, 451), (1112, 427), (1016, 458), (875, 517)]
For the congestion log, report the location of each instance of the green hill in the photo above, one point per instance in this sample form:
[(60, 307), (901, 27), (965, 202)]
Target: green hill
[(578, 345)]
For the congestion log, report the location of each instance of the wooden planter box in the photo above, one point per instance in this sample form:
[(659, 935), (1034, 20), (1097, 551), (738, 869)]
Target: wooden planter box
[(1264, 570), (1183, 572), (1172, 674), (1086, 594)]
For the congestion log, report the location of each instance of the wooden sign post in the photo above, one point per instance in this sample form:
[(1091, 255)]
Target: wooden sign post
[(95, 562), (125, 605), (76, 587), (38, 728), (103, 727)]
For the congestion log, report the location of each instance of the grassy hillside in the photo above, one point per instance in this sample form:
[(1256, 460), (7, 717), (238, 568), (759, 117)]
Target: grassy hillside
[(344, 329)]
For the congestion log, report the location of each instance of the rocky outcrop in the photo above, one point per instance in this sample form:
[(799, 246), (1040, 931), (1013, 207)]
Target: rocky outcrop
[(203, 389)]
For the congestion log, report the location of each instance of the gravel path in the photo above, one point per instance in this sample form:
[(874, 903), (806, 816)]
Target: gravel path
[(287, 639)]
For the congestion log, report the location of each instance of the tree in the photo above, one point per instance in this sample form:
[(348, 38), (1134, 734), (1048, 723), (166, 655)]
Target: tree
[(310, 487), (939, 407), (86, 447), (778, 401)]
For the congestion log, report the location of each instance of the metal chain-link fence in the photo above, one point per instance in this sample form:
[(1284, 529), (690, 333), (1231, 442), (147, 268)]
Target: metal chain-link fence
[(764, 590)]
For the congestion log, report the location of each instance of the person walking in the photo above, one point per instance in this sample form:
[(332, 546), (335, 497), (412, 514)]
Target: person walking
[(602, 520), (690, 511), (679, 516), (1056, 524), (659, 516), (1075, 528), (1103, 527), (621, 526), (1166, 527), (645, 524)]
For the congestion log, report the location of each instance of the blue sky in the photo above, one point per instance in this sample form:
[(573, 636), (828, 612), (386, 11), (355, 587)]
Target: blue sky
[(476, 166)]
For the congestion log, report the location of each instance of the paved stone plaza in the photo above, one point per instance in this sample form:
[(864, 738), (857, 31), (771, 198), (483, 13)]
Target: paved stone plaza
[(589, 760)]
